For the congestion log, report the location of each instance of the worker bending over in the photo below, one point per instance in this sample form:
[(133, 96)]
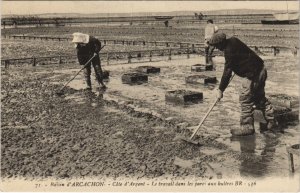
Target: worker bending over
[(244, 62), (88, 46)]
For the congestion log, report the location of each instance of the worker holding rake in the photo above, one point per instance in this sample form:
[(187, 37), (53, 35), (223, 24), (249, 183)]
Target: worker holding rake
[(88, 47), (244, 62)]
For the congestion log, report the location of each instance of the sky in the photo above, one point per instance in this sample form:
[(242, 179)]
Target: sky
[(37, 7)]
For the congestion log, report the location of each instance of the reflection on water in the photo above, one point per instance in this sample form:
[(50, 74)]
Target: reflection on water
[(258, 153), (87, 97), (94, 99)]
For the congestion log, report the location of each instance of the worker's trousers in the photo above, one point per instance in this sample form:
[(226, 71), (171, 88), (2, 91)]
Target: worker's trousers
[(98, 71), (209, 50), (208, 53), (253, 94)]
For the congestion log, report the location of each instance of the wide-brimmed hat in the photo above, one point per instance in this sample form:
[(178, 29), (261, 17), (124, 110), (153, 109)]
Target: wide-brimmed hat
[(217, 38), (80, 38)]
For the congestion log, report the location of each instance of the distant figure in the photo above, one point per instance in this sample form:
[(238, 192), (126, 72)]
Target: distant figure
[(166, 23), (210, 30), (245, 63), (88, 46), (295, 51)]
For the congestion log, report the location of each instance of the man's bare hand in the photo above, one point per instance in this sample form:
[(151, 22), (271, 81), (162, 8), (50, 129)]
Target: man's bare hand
[(219, 94)]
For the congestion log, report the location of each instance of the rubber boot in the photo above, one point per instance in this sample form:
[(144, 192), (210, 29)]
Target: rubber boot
[(88, 83), (99, 76), (272, 125), (101, 84), (244, 130)]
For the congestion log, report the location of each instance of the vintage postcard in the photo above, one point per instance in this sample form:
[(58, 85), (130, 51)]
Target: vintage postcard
[(156, 96)]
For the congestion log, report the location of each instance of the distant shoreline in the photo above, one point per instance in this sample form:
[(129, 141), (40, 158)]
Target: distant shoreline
[(137, 14)]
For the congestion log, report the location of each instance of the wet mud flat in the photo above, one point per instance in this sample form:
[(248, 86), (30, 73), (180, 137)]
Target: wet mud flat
[(80, 135), (128, 130)]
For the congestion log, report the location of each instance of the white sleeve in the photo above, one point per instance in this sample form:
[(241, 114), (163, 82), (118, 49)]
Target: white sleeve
[(216, 29)]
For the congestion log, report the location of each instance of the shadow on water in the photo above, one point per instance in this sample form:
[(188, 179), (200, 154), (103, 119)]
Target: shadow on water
[(87, 98), (90, 98), (93, 98)]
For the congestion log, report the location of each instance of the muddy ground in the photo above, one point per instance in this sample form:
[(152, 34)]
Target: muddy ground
[(129, 130)]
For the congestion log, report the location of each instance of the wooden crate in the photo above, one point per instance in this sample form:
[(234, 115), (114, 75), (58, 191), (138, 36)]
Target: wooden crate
[(183, 97), (201, 79), (201, 68), (148, 69), (134, 78), (284, 100), (281, 114)]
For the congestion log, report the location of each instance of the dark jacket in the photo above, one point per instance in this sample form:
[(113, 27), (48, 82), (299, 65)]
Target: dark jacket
[(85, 52), (241, 60)]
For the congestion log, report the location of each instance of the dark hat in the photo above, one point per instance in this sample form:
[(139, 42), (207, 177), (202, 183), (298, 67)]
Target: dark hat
[(217, 38)]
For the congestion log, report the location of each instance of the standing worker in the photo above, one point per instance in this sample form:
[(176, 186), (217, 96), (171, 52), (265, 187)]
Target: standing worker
[(88, 46), (244, 62), (210, 30)]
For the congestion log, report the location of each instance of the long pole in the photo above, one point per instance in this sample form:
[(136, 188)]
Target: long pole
[(87, 63), (203, 119), (287, 10), (207, 113)]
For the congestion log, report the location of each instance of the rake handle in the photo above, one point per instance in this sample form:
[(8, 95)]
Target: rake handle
[(79, 72), (203, 119), (207, 113)]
